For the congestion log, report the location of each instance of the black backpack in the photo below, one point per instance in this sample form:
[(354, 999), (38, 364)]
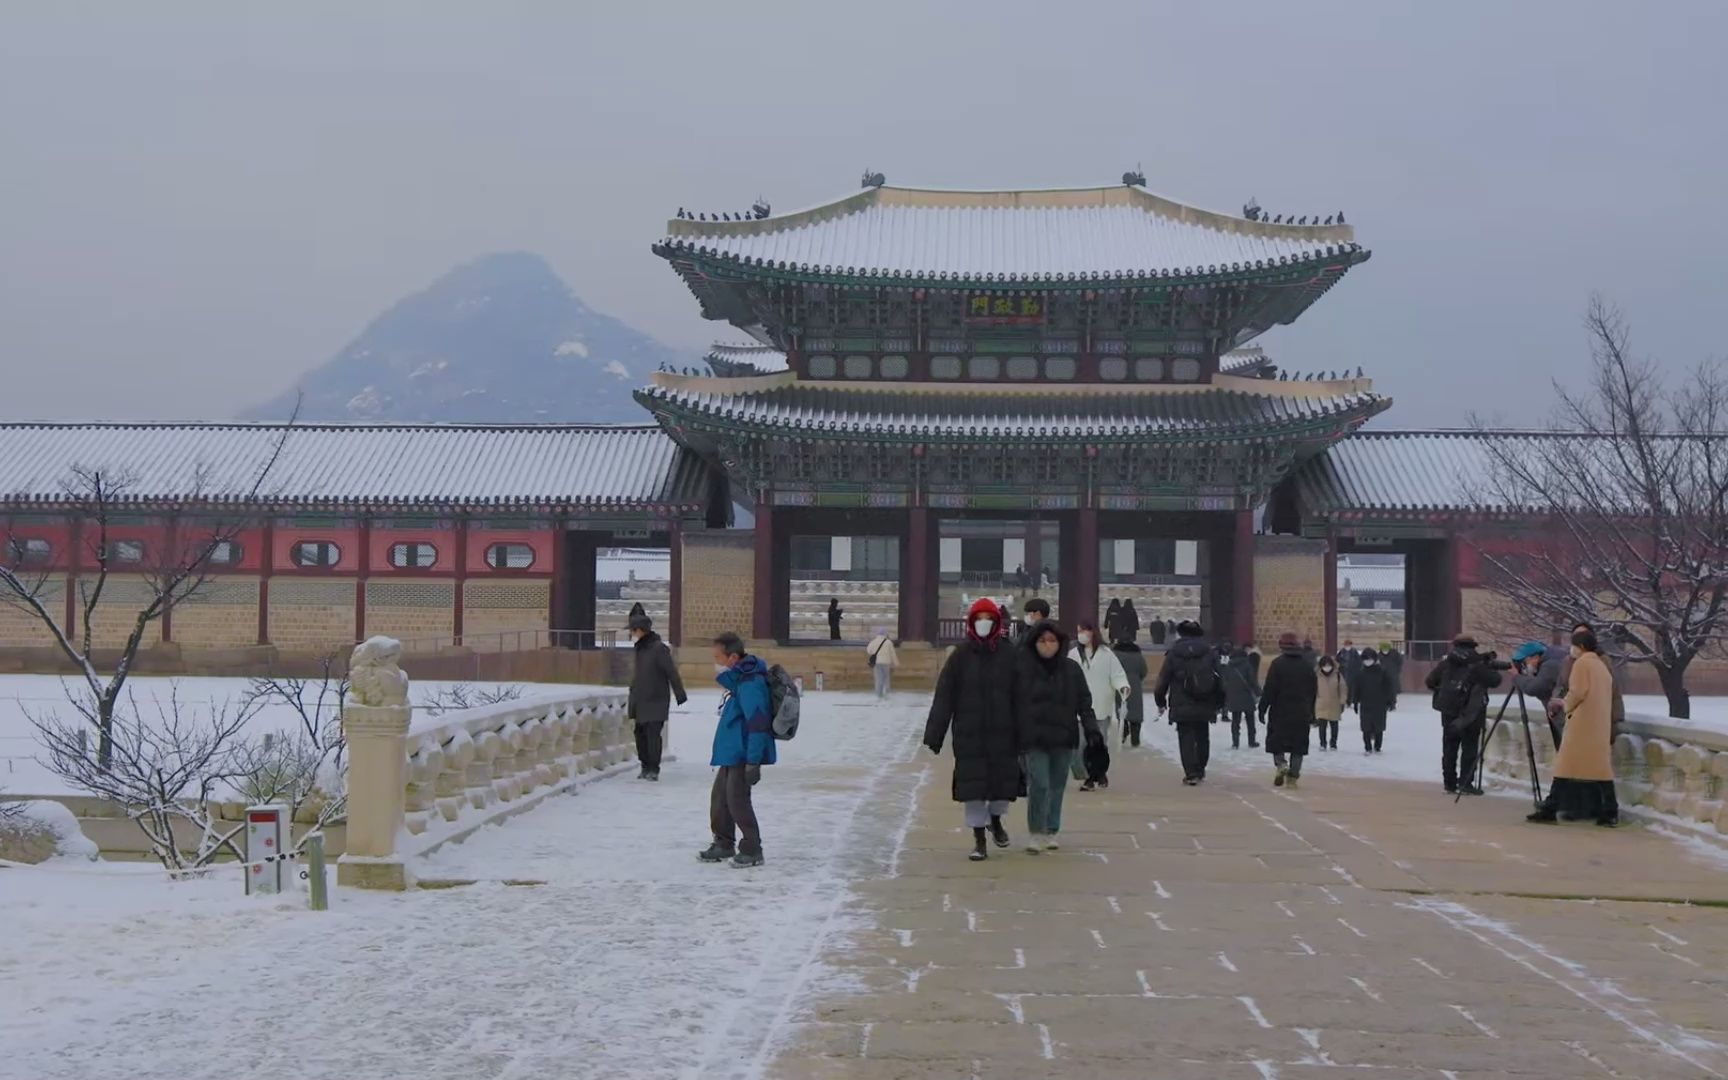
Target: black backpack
[(1453, 696), (1199, 680), (783, 702)]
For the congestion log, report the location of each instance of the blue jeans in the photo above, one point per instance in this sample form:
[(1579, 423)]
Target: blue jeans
[(1046, 783)]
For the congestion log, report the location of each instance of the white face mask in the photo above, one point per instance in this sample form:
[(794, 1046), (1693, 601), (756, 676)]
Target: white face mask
[(1085, 637), (1031, 619), (720, 669), (983, 627)]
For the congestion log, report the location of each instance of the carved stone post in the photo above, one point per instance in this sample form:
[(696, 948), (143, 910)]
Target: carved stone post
[(375, 723)]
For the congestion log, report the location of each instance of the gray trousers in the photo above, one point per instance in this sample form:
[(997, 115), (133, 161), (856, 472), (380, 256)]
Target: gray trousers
[(979, 812), (731, 813), (1292, 762), (882, 674)]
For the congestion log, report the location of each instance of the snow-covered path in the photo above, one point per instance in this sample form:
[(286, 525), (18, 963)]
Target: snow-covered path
[(631, 960)]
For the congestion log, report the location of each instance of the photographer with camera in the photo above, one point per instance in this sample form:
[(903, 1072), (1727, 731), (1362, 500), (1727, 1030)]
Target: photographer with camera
[(1537, 673), (1461, 682)]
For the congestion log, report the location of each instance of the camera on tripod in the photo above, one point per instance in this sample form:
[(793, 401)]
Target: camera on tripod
[(1492, 661)]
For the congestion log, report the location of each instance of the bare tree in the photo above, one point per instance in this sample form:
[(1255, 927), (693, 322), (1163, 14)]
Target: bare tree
[(172, 572), (304, 765), (164, 771), (1633, 487), (463, 696)]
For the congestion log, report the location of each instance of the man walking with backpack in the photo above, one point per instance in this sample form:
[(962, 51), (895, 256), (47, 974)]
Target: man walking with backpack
[(743, 743), (1189, 688), (1461, 682)]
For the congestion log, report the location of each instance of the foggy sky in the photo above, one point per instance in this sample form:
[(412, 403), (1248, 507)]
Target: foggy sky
[(197, 203)]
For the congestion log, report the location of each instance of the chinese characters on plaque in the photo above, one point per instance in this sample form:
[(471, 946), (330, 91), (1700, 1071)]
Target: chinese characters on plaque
[(983, 309)]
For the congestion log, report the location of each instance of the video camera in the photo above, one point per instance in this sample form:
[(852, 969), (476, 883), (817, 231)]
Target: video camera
[(1492, 661)]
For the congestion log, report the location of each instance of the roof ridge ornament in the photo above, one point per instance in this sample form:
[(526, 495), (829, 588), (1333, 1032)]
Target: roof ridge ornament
[(1251, 209), (872, 179), (1134, 178)]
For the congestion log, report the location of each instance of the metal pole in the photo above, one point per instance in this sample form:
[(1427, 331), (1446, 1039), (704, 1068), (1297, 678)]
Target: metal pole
[(315, 868)]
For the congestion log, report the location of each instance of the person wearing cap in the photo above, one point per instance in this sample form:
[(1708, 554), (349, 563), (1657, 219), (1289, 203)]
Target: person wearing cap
[(1461, 682), (1536, 673), (654, 682)]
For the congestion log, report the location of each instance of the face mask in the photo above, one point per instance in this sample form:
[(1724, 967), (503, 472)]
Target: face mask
[(984, 626), (1577, 652), (1370, 663), (720, 669), (1085, 637), (1031, 619)]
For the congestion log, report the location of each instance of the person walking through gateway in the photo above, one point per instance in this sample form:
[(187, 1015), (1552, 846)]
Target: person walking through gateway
[(1113, 620), (1461, 682), (977, 696), (1241, 695), (835, 614), (654, 682), (1583, 785), (881, 655), (1133, 663), (1129, 625), (1191, 691), (1057, 711), (1372, 695), (743, 743), (1329, 700), (1108, 685), (1287, 707)]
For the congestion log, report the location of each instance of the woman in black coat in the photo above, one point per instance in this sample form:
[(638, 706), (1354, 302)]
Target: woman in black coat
[(1287, 708), (977, 695), (835, 611), (1128, 626), (1134, 666), (1373, 694), (1056, 709)]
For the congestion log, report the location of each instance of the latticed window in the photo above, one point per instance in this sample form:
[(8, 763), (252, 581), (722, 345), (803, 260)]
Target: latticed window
[(225, 553), (27, 550), (510, 556), (413, 555), (314, 553), (126, 551)]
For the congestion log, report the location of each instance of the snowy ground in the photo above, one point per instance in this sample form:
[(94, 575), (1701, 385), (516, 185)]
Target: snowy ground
[(21, 771), (632, 960)]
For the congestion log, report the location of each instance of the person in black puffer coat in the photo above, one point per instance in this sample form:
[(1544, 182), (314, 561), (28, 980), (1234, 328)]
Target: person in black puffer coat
[(977, 695), (1134, 666), (1287, 708), (1190, 689), (1056, 709)]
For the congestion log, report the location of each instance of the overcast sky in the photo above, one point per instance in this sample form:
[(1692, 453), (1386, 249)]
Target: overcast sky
[(196, 203)]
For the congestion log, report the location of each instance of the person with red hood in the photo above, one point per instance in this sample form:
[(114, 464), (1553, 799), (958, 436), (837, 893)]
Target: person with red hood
[(978, 698)]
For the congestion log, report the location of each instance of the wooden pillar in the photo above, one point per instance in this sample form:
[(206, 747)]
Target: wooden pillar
[(266, 567), (675, 583), (582, 551), (1329, 587), (360, 578), (1081, 595), (461, 579), (1242, 578), (762, 608), (915, 580), (173, 556), (1452, 585), (556, 599), (74, 562), (1034, 550)]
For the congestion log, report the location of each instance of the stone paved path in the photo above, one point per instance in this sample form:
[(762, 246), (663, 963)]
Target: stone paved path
[(1358, 928)]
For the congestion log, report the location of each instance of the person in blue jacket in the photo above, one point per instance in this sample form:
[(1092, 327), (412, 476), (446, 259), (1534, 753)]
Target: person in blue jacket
[(743, 743)]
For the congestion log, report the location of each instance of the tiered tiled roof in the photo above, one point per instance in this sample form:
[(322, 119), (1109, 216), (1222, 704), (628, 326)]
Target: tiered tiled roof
[(1081, 235), (1227, 410), (373, 465), (1400, 472), (730, 360)]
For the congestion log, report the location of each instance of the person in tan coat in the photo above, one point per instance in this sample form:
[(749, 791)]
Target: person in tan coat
[(1583, 785), (1329, 701)]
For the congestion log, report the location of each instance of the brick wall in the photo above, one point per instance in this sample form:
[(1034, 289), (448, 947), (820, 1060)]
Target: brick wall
[(313, 615), (19, 626), (123, 596), (1493, 620), (1289, 589), (222, 614), (719, 583), (493, 608), (420, 613)]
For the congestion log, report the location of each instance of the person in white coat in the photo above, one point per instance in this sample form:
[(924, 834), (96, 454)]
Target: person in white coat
[(882, 657), (1109, 685)]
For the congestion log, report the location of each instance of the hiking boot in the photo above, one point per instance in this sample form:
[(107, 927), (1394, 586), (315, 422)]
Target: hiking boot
[(1089, 786), (1543, 816), (979, 851), (1452, 789), (1104, 785), (1608, 822), (746, 859), (1279, 777), (1190, 781), (654, 776), (1469, 789), (715, 854), (998, 833)]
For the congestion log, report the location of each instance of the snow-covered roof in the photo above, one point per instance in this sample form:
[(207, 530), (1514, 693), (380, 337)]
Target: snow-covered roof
[(727, 359), (1039, 235), (577, 466)]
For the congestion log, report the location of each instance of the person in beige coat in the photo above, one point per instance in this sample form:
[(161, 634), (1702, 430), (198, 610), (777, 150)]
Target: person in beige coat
[(1329, 701), (1583, 785), (883, 658)]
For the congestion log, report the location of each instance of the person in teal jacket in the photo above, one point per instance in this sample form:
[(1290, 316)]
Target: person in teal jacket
[(743, 743)]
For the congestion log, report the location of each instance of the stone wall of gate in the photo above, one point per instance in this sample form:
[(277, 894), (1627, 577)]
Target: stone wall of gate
[(719, 586), (1289, 589)]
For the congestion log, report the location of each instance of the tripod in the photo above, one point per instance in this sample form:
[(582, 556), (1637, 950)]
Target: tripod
[(1529, 743)]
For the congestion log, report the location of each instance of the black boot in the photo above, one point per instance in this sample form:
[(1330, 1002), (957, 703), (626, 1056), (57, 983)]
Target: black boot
[(715, 853), (998, 833), (1545, 815), (979, 853)]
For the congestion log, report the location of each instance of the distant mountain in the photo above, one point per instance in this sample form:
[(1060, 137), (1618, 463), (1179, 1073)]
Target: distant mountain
[(500, 339)]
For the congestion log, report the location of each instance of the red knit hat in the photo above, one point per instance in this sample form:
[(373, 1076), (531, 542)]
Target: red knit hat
[(984, 607)]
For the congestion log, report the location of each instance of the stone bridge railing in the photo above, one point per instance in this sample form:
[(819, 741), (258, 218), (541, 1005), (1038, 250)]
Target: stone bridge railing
[(417, 784), (1669, 768)]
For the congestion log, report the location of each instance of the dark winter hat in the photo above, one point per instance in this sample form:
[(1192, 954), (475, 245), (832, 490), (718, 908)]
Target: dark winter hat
[(641, 622), (1189, 628), (1287, 640), (1464, 641)]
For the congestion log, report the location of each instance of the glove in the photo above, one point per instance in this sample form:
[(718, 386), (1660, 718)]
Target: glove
[(753, 773)]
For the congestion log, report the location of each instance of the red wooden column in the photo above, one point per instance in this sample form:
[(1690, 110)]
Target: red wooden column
[(915, 581), (1452, 585), (1080, 598), (74, 563), (171, 551), (461, 579), (675, 585), (360, 578), (560, 586), (266, 565), (762, 619), (1242, 578), (1329, 587)]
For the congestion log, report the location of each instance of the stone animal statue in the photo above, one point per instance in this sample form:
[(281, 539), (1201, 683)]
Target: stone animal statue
[(374, 675)]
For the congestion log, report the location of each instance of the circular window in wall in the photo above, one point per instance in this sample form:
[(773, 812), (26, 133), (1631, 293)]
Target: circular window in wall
[(985, 367), (858, 367), (1060, 368), (1022, 367), (944, 367), (1185, 369), (1148, 369), (894, 367), (1112, 369), (821, 367)]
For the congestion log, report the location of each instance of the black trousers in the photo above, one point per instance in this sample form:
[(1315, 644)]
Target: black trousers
[(650, 742), (1372, 740), (1131, 732), (1458, 749), (1237, 716), (1333, 726), (731, 815), (1195, 742)]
